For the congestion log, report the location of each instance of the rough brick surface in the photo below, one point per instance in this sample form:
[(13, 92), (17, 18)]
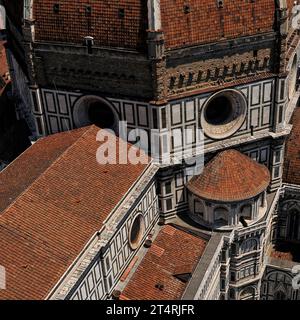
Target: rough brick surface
[(204, 71), (106, 72), (208, 23), (204, 23), (72, 23)]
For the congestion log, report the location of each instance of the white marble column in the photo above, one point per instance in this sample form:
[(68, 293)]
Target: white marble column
[(154, 15)]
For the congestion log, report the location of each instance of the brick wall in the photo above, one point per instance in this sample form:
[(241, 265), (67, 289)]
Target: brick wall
[(104, 71), (207, 23), (104, 23), (215, 70)]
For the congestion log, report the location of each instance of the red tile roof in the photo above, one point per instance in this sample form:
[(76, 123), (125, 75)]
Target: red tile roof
[(286, 250), (282, 255), (173, 252), (292, 152), (21, 173), (230, 176), (51, 217)]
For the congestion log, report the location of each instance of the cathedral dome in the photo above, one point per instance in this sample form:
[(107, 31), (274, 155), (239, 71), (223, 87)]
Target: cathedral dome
[(230, 177), (125, 23)]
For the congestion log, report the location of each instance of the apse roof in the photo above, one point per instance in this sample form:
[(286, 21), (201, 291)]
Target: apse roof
[(230, 176)]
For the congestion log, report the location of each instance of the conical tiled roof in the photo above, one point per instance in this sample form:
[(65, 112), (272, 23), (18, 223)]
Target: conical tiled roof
[(230, 176)]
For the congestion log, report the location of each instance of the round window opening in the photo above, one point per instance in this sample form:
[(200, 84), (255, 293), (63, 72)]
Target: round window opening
[(219, 111), (137, 231), (223, 114), (101, 115), (94, 110)]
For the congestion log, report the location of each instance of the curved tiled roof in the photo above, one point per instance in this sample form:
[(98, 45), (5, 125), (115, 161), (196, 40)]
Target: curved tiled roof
[(230, 176)]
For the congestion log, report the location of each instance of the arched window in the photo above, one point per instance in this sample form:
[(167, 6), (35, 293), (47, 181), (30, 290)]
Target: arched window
[(246, 211), (263, 199), (221, 216), (248, 294), (294, 225), (279, 295), (232, 294), (249, 245), (199, 208)]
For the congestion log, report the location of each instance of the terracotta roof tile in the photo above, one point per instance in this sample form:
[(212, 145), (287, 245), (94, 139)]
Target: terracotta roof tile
[(161, 270), (230, 176), (56, 213), (282, 255), (21, 173)]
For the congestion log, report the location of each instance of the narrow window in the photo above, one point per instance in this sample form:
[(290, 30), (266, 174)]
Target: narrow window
[(88, 11), (282, 85), (163, 118), (35, 102), (222, 284), (276, 172), (168, 187), (39, 126), (56, 8), (121, 13), (280, 116), (158, 189), (277, 156), (154, 113), (169, 204), (232, 276), (107, 264)]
